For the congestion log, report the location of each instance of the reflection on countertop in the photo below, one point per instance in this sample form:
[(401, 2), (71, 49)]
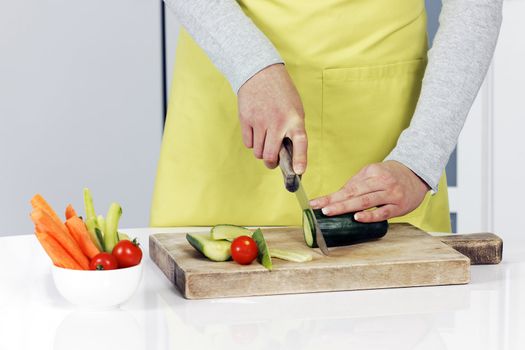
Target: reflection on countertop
[(99, 329), (488, 313)]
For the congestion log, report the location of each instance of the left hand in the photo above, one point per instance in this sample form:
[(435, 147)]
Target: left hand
[(390, 186)]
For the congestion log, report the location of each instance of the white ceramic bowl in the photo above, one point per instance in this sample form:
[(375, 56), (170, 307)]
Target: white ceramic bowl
[(97, 289)]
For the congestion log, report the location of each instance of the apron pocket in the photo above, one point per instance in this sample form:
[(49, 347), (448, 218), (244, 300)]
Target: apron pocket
[(364, 110)]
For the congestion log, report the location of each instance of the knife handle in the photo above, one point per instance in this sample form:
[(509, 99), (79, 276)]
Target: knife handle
[(291, 179)]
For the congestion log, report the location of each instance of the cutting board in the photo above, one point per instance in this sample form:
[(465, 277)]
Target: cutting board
[(404, 257)]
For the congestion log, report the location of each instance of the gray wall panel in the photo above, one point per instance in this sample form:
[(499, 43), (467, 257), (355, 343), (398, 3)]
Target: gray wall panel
[(80, 105)]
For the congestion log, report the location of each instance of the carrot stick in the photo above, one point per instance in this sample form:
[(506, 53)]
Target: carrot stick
[(44, 223), (56, 252), (70, 212), (79, 232), (38, 202)]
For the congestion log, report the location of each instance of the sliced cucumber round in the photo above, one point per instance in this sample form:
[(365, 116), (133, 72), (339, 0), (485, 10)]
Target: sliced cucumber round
[(309, 228)]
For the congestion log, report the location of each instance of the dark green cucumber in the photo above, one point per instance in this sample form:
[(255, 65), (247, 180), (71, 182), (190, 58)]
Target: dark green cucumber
[(342, 229)]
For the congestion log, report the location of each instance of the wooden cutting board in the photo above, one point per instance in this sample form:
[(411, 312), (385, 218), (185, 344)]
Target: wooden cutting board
[(404, 257)]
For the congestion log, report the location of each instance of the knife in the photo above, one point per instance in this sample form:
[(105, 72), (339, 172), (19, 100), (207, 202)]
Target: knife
[(292, 182)]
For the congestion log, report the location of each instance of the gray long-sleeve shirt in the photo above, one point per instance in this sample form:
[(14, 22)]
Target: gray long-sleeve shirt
[(457, 64)]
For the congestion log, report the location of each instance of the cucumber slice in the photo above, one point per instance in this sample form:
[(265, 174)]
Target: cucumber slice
[(264, 255), (309, 228), (122, 236), (212, 249), (101, 223), (94, 233), (100, 238), (290, 255), (229, 232), (88, 205), (112, 219)]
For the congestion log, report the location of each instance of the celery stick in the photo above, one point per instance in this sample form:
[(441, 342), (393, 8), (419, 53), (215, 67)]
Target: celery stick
[(88, 205), (112, 219)]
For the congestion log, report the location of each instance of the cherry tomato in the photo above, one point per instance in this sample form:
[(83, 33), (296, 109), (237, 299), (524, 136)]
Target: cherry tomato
[(103, 261), (244, 250), (128, 253)]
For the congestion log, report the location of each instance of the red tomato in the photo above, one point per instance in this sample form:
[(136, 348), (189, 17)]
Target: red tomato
[(244, 250), (127, 253), (103, 261)]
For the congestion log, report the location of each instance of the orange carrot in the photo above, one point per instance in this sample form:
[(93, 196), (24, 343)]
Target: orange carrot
[(38, 202), (70, 212), (45, 223), (79, 232), (56, 252)]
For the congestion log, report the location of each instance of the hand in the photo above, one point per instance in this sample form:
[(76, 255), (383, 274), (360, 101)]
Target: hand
[(390, 186), (269, 110)]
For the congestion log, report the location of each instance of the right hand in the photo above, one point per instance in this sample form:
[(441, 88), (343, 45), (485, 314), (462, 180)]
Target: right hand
[(270, 109)]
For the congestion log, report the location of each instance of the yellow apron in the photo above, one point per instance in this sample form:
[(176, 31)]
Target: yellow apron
[(358, 66)]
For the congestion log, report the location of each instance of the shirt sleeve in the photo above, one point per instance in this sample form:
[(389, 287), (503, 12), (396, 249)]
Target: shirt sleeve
[(231, 40), (457, 64)]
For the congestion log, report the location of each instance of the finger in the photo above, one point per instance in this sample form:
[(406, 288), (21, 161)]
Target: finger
[(258, 142), (300, 150), (382, 213), (361, 185), (356, 186), (272, 145), (247, 136), (355, 204), (335, 197)]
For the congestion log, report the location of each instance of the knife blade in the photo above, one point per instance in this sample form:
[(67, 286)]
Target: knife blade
[(293, 184)]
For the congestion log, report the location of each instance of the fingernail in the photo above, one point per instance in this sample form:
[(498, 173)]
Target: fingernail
[(299, 169), (325, 211), (313, 202), (358, 216)]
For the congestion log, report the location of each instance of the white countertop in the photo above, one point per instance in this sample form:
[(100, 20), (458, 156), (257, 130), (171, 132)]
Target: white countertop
[(488, 313)]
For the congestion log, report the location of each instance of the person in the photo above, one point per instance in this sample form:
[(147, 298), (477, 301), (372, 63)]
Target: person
[(373, 118)]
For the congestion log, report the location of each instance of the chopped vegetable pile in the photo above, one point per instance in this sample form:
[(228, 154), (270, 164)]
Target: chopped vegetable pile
[(93, 244), (242, 245)]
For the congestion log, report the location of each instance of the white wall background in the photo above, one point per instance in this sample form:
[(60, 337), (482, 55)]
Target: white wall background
[(491, 149), (508, 126), (80, 105)]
